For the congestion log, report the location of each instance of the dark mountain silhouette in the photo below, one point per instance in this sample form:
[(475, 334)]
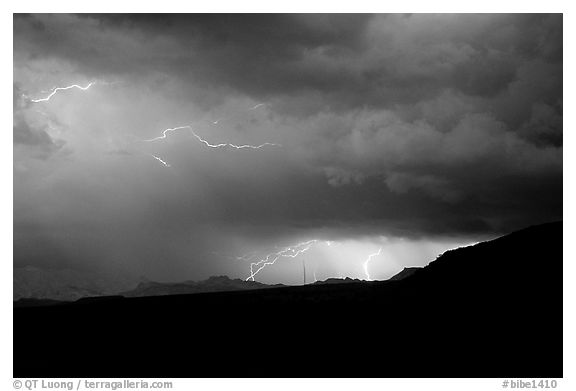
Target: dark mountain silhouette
[(337, 281), (31, 302), (489, 310), (405, 273)]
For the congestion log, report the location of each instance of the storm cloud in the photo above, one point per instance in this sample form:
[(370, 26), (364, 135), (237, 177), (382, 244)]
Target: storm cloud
[(418, 127)]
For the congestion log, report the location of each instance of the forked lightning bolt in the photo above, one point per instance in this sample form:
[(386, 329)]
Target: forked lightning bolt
[(366, 263), (270, 259), (58, 89)]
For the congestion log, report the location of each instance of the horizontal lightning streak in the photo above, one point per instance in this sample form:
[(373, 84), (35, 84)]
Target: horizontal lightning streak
[(256, 106), (161, 161), (208, 144), (166, 131), (222, 145), (57, 89)]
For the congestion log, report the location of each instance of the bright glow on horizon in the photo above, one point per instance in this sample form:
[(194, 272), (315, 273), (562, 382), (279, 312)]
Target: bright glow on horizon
[(346, 258)]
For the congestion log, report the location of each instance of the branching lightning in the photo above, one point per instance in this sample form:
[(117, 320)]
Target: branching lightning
[(270, 259), (223, 145), (57, 89), (366, 263), (165, 132)]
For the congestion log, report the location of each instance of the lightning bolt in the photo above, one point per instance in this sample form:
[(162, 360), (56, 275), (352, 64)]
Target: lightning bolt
[(165, 133), (161, 161), (368, 261), (270, 259), (222, 145), (256, 106), (57, 89)]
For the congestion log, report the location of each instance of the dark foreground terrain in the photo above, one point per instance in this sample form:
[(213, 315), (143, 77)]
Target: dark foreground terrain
[(490, 310)]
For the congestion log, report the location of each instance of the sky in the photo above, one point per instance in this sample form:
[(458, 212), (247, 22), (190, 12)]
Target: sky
[(349, 134)]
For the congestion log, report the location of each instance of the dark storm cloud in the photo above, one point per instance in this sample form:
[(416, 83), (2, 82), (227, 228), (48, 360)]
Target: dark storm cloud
[(241, 50), (408, 125), (337, 61), (360, 60), (26, 134)]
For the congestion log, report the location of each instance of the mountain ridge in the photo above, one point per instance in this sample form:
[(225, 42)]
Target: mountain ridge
[(494, 309)]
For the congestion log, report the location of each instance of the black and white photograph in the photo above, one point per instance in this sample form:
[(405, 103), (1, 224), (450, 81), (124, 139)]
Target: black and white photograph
[(288, 195)]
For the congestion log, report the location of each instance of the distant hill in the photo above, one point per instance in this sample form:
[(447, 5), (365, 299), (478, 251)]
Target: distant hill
[(212, 284), (30, 282), (494, 309)]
